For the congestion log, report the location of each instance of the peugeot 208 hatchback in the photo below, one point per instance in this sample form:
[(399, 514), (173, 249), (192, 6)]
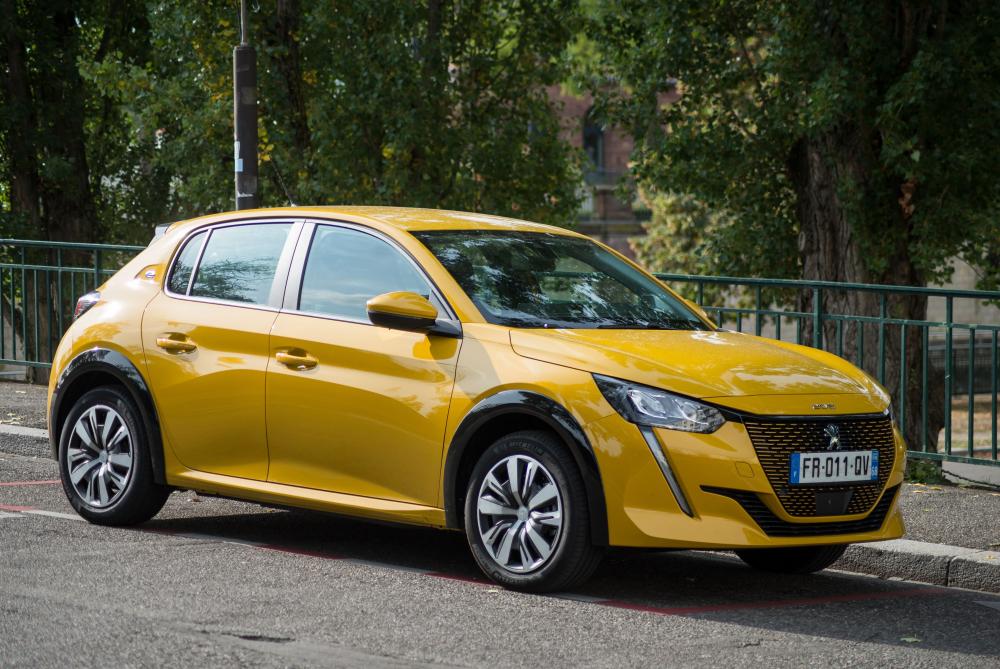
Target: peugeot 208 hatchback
[(517, 382)]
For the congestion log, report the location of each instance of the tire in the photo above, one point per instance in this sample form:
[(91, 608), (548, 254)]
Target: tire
[(797, 560), (110, 480), (548, 545)]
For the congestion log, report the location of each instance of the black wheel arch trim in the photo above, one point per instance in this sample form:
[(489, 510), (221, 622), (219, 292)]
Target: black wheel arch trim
[(115, 364), (554, 415)]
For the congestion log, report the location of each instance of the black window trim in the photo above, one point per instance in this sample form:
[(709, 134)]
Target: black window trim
[(281, 271), (293, 286)]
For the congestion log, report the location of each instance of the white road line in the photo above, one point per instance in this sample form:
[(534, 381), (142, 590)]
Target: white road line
[(55, 514), (8, 514)]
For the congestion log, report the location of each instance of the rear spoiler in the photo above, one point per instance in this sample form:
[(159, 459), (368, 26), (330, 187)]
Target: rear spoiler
[(159, 231)]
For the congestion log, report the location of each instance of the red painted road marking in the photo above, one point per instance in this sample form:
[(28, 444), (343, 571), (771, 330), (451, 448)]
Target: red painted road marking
[(10, 507), (459, 577), (19, 483)]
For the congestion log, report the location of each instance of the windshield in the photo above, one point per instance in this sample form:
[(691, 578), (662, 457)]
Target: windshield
[(542, 280)]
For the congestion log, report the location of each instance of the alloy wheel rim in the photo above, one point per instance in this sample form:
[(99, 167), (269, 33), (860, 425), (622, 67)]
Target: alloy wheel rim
[(99, 456), (519, 512)]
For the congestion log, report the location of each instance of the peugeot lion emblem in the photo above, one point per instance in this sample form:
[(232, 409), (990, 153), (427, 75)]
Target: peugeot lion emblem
[(833, 433)]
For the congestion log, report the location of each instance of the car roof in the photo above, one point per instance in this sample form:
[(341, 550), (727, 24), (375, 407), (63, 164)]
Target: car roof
[(402, 218)]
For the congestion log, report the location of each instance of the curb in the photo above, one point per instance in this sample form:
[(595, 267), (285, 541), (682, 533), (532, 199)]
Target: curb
[(938, 564), (902, 559), (19, 440)]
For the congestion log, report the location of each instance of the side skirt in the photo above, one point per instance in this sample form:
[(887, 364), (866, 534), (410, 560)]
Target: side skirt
[(308, 498)]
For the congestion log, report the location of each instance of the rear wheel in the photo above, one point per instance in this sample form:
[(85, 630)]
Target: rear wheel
[(104, 460), (526, 515), (795, 560)]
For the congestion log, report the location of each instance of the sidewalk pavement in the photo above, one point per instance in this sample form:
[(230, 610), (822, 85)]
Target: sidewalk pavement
[(952, 532)]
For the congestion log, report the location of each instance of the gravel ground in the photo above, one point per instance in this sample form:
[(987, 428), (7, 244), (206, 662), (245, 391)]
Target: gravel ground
[(22, 404), (955, 515)]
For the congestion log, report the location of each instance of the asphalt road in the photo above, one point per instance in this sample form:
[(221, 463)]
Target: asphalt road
[(225, 583)]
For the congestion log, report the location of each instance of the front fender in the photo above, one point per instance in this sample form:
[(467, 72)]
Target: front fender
[(555, 416)]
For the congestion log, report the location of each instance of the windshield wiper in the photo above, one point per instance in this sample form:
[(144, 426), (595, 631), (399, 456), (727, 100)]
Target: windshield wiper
[(677, 324)]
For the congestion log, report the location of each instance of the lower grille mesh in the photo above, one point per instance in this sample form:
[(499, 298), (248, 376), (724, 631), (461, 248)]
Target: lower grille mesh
[(776, 527), (775, 440)]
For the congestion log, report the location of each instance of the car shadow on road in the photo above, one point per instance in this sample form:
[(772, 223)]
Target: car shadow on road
[(714, 586)]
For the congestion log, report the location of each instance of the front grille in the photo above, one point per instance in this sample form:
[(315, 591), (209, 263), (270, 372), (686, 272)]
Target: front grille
[(776, 527), (776, 439)]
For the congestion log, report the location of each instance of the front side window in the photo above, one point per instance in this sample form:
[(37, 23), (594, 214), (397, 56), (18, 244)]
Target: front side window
[(346, 268), (542, 280), (239, 262)]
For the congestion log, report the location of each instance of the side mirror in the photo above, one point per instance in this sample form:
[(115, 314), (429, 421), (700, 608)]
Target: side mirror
[(696, 308), (402, 310)]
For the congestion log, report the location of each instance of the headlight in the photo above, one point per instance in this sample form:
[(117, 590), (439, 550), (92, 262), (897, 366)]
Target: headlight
[(643, 405)]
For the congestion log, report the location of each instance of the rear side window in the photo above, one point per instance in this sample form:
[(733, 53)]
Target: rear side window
[(346, 268), (239, 262), (180, 276)]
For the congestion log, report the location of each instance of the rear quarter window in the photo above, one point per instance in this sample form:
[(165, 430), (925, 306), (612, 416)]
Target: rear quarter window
[(180, 275)]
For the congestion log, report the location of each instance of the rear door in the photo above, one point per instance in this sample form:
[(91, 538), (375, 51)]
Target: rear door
[(359, 409), (205, 337)]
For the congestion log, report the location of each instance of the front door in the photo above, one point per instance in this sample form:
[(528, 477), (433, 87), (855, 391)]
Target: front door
[(352, 407), (206, 344)]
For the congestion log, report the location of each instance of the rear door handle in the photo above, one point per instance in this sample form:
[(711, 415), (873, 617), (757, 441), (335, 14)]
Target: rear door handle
[(299, 360), (175, 342)]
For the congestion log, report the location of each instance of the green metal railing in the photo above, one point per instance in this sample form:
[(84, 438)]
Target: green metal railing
[(39, 284), (962, 356), (957, 363)]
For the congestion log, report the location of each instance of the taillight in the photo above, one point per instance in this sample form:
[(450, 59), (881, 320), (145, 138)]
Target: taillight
[(85, 303)]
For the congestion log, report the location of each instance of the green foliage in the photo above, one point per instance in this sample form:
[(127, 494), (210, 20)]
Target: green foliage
[(679, 237), (924, 471), (898, 100), (433, 103)]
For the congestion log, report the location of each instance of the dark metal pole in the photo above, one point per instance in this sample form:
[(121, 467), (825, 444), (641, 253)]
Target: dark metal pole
[(245, 117)]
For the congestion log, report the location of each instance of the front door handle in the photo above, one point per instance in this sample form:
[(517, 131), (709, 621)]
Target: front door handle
[(299, 360), (174, 342)]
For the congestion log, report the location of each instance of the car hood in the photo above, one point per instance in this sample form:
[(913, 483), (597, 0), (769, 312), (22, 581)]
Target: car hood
[(705, 364)]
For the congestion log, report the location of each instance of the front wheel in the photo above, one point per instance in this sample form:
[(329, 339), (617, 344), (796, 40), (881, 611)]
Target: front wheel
[(794, 560), (104, 460), (526, 515)]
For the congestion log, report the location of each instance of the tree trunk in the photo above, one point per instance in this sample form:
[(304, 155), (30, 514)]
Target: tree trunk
[(289, 63), (830, 251), (67, 200), (19, 134)]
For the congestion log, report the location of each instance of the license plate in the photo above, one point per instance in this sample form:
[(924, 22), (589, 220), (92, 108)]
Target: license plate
[(847, 467)]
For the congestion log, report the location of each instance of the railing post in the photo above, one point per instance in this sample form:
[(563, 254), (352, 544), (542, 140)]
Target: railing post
[(59, 290), (924, 397), (972, 388), (883, 314), (817, 318), (948, 308), (97, 268), (902, 379), (993, 396), (757, 316)]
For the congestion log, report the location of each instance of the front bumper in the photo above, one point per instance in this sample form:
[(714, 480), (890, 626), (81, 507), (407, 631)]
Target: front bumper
[(720, 496)]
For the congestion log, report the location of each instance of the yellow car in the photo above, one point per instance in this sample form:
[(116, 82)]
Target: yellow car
[(518, 382)]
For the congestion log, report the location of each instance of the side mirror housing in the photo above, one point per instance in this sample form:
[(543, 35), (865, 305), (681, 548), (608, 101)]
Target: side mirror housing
[(402, 310)]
